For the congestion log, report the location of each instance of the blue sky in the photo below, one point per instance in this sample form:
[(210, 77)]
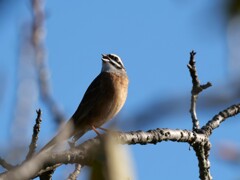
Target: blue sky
[(154, 40)]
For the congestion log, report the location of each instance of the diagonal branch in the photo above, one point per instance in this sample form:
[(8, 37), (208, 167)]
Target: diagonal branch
[(5, 164), (219, 118)]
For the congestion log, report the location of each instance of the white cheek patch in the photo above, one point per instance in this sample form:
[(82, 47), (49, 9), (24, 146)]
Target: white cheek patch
[(106, 66), (105, 60)]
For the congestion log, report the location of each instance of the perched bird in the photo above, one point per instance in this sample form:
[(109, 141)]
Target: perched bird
[(102, 101)]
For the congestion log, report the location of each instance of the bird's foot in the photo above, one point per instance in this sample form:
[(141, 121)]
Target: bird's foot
[(72, 143), (104, 129), (95, 130)]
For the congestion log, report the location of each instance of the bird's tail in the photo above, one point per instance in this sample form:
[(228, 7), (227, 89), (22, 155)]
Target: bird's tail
[(65, 133)]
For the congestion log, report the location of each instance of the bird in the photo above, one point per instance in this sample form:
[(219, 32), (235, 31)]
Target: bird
[(102, 101)]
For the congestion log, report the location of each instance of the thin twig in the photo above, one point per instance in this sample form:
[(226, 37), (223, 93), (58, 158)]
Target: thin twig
[(196, 89), (36, 130), (5, 164), (75, 173), (38, 35)]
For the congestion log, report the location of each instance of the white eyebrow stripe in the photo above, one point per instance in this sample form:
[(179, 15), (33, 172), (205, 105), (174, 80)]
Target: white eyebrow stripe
[(115, 63)]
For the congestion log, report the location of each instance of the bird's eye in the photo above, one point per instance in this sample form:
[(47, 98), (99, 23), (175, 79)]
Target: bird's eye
[(115, 58), (112, 57)]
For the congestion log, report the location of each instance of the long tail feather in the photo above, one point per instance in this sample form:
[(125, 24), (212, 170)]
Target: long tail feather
[(65, 133)]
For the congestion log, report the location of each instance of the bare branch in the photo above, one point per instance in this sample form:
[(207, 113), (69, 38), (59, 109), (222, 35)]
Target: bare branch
[(5, 164), (219, 118), (196, 89), (203, 162), (75, 173), (207, 147), (84, 153), (36, 130), (202, 150), (38, 35)]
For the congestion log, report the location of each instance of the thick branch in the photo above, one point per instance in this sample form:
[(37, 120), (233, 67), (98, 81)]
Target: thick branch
[(84, 154), (203, 162)]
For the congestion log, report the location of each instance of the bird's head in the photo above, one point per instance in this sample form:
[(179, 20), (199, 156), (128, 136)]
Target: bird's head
[(112, 63)]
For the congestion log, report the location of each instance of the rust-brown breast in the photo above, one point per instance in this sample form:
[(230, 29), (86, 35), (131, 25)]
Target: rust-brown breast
[(119, 87)]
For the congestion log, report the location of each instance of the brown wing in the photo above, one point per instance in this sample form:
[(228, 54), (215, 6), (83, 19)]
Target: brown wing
[(90, 99)]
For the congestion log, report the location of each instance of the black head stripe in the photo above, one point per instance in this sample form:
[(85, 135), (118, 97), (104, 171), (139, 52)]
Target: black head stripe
[(118, 66), (116, 61), (112, 57)]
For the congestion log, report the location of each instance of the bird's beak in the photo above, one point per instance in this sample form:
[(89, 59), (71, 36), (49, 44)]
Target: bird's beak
[(105, 58)]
